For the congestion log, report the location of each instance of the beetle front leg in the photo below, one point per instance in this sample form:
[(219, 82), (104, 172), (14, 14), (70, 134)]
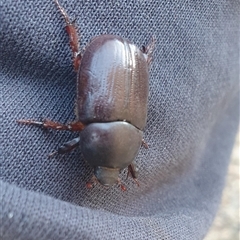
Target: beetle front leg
[(133, 171), (73, 37), (75, 126)]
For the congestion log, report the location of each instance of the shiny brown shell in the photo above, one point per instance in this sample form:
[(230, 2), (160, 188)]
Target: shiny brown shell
[(113, 82)]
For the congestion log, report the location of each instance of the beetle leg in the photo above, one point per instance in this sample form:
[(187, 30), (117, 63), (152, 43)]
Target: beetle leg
[(75, 126), (149, 50), (92, 182), (67, 147), (73, 36), (132, 169), (144, 144), (123, 188)]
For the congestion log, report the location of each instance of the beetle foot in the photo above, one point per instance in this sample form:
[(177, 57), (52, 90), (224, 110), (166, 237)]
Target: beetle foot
[(136, 181), (63, 12), (73, 36), (123, 188), (75, 126), (52, 154), (90, 184), (31, 122)]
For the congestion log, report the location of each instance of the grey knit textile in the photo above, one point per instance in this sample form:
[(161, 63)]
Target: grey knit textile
[(193, 117)]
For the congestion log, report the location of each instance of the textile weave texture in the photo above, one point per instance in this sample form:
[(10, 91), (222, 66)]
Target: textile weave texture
[(192, 120)]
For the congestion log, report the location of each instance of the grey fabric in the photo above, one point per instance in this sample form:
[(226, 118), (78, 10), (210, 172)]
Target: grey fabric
[(192, 120)]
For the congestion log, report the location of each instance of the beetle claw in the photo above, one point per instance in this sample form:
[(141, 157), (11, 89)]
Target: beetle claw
[(136, 181), (123, 188), (90, 184), (144, 144), (52, 154)]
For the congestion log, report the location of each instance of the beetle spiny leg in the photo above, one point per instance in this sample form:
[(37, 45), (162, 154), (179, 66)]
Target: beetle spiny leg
[(73, 37)]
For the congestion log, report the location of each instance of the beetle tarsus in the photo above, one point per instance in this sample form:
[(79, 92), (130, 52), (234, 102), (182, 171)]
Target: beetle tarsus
[(31, 122), (73, 36), (63, 12), (75, 126), (90, 184), (123, 187), (52, 154), (136, 181)]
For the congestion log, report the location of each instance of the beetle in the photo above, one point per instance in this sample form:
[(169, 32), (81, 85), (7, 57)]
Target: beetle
[(111, 103)]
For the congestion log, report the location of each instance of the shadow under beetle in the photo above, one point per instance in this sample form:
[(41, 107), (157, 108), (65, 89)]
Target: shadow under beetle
[(111, 104)]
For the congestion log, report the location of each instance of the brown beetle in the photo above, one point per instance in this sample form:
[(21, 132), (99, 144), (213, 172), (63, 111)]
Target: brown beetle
[(112, 96)]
